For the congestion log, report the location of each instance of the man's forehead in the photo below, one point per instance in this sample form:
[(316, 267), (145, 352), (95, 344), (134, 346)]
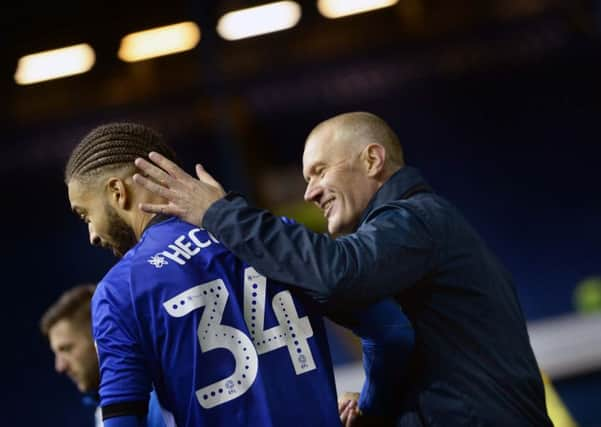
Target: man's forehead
[(63, 330), (308, 152), (74, 188), (325, 145), (311, 157), (79, 194)]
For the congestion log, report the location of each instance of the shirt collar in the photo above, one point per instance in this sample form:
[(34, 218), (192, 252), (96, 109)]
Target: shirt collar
[(401, 185), (155, 220)]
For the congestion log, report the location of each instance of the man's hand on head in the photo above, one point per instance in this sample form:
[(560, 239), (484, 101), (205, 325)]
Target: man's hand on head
[(187, 198)]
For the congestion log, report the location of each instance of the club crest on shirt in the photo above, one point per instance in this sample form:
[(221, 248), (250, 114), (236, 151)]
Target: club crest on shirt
[(158, 261)]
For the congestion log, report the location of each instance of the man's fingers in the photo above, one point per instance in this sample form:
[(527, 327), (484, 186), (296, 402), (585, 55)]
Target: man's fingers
[(204, 176), (159, 209), (344, 414), (166, 164), (153, 187), (342, 405), (349, 416), (158, 174), (353, 415)]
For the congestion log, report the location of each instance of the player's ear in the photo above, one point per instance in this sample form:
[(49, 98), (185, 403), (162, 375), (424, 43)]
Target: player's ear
[(374, 157), (117, 192)]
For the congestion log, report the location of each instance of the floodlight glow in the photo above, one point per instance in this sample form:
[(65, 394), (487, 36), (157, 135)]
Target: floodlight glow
[(254, 21), (54, 64), (159, 41), (340, 8)]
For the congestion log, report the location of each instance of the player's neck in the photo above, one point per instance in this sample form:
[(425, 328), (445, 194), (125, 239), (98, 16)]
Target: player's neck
[(140, 222), (140, 219)]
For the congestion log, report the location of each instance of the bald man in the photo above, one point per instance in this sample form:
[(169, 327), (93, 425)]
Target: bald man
[(391, 236)]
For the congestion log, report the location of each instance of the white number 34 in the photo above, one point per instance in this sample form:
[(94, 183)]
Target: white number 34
[(291, 332)]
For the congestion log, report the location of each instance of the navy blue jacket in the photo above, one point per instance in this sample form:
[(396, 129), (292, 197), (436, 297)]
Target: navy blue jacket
[(472, 364)]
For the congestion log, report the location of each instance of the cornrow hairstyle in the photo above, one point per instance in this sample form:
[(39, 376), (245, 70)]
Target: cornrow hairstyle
[(112, 146), (74, 304)]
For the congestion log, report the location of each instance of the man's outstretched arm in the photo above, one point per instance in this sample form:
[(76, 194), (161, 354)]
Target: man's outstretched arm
[(386, 255)]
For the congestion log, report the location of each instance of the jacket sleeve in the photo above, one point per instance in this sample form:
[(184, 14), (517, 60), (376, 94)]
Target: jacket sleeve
[(389, 253)]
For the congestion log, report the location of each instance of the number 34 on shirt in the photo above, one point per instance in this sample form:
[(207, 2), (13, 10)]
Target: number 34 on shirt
[(291, 332)]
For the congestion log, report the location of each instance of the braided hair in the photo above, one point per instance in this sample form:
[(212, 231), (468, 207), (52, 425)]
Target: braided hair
[(113, 146)]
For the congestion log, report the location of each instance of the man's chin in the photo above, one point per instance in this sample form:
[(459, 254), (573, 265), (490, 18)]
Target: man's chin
[(85, 387), (112, 250), (118, 252), (337, 230), (333, 230)]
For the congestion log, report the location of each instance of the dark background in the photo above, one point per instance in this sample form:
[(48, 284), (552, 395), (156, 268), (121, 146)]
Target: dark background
[(497, 102)]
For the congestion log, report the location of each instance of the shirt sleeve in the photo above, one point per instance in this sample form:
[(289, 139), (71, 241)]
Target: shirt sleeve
[(389, 253), (155, 414), (126, 421), (124, 380), (387, 341)]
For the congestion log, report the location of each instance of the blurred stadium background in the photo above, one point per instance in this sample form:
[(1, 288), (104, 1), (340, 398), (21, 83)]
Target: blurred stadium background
[(497, 101)]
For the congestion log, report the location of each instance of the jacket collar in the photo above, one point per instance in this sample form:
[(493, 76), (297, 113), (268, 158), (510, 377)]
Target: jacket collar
[(403, 184)]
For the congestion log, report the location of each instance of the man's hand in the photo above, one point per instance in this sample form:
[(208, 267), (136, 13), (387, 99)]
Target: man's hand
[(187, 198), (352, 416), (348, 409)]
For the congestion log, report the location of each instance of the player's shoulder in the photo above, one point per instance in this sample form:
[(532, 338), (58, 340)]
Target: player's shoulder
[(115, 283), (158, 236), (170, 243)]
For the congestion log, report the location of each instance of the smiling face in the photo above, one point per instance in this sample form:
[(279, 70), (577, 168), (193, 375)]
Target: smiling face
[(338, 180), (105, 227), (74, 353)]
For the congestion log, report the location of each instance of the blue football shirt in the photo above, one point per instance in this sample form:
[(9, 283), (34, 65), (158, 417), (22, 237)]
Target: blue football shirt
[(221, 344)]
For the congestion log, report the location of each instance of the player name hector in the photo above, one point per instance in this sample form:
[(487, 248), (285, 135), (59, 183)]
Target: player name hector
[(184, 247)]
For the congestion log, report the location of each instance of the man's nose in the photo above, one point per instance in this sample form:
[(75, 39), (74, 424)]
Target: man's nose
[(94, 238), (60, 365), (312, 192)]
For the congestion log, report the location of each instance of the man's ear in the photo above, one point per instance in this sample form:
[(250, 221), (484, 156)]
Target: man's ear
[(117, 192), (374, 158)]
